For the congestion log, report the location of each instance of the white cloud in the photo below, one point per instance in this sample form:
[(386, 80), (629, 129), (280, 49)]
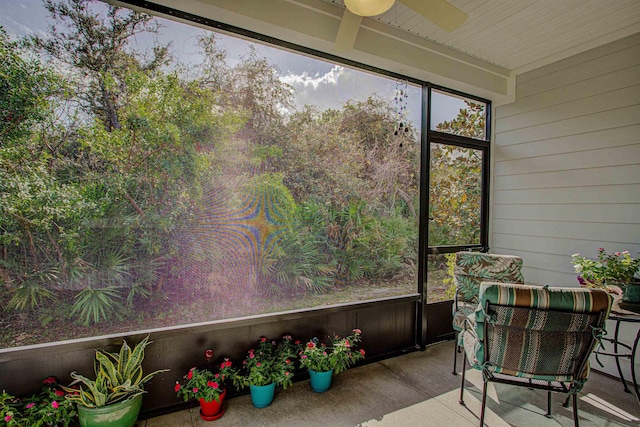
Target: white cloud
[(305, 80)]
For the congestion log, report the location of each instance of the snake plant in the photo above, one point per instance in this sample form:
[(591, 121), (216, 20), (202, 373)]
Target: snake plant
[(118, 377)]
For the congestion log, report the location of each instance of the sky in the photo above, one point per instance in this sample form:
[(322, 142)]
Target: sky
[(316, 82)]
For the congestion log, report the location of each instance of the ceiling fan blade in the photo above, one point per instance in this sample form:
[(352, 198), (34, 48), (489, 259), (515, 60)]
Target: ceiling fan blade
[(440, 12), (348, 31)]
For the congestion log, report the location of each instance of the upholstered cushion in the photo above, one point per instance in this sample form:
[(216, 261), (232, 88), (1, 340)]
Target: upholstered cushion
[(462, 316), (525, 337), (472, 268)]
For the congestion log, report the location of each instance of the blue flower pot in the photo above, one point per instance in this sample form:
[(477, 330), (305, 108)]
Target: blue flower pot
[(262, 395), (320, 381)]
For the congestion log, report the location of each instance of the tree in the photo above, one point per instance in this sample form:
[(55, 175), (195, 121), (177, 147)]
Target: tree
[(94, 44)]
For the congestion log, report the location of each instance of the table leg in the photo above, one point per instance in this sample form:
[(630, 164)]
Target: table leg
[(615, 350), (633, 365)]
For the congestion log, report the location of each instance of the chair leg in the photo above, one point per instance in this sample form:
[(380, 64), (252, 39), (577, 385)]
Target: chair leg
[(548, 414), (484, 403), (456, 349), (576, 422), (464, 364)]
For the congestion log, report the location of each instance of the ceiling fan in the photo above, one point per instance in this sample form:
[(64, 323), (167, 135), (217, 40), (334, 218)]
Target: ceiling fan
[(439, 12)]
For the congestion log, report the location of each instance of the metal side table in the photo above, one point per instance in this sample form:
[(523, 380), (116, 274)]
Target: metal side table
[(622, 350)]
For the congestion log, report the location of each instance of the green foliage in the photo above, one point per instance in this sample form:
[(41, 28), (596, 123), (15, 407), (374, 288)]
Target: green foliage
[(31, 294), (48, 408), (95, 305), (119, 377), (338, 354), (269, 362), (449, 279)]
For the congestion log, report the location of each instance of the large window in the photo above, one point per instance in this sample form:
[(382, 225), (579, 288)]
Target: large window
[(458, 168), (146, 184)]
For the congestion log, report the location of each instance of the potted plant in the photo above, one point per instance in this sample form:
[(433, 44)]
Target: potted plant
[(616, 272), (48, 408), (114, 398), (207, 387), (266, 366), (323, 360)]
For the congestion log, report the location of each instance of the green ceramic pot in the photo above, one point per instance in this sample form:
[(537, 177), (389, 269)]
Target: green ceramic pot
[(631, 292), (121, 414)]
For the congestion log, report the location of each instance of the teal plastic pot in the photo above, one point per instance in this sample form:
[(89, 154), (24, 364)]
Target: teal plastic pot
[(262, 395), (121, 414), (320, 381)]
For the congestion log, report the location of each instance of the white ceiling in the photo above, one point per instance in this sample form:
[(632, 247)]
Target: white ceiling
[(521, 35), (500, 40)]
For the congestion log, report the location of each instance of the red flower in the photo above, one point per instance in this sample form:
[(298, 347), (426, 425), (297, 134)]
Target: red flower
[(50, 380), (298, 342), (310, 345), (216, 376), (227, 363), (263, 339), (208, 354), (347, 343), (212, 384), (190, 374), (287, 361), (195, 389), (59, 392), (176, 388), (362, 352)]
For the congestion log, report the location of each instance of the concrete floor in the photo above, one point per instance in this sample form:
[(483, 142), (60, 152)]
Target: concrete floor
[(418, 389)]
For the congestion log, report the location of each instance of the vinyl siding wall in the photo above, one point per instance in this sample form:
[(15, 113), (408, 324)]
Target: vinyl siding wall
[(566, 163)]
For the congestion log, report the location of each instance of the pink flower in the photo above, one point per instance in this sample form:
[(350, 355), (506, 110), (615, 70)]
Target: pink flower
[(216, 376), (304, 356), (55, 404), (258, 364), (287, 361), (600, 249), (212, 384), (176, 388), (357, 331), (195, 389), (251, 355), (7, 418), (208, 354), (263, 339), (298, 342), (30, 405), (362, 352), (347, 343), (324, 353)]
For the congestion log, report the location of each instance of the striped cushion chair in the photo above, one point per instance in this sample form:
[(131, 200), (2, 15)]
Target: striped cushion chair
[(536, 336), (472, 268)]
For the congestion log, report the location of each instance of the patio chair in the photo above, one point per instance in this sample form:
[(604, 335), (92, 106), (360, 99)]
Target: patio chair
[(537, 337), (470, 270)]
